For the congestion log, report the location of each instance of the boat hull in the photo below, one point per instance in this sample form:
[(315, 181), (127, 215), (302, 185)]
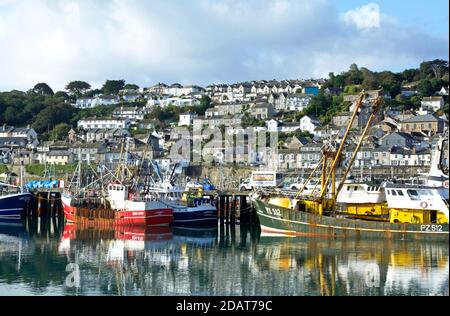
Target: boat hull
[(12, 207), (200, 216), (278, 220), (153, 215)]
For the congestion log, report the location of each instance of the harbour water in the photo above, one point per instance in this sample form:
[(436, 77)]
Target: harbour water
[(50, 258)]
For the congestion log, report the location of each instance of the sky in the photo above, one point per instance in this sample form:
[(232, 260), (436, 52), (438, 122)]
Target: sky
[(212, 41)]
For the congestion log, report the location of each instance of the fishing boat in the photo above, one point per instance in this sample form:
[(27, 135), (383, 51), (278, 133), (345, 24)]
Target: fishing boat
[(191, 207), (121, 204), (414, 213), (14, 201)]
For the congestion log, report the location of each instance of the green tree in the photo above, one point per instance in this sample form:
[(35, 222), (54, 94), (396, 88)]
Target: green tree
[(10, 116), (51, 116), (60, 131), (42, 89), (409, 75), (77, 87), (354, 75), (62, 94), (131, 86), (113, 86), (433, 69), (425, 88)]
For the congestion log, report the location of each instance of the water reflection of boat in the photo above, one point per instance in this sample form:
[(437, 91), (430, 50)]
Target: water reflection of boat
[(11, 233), (349, 267), (196, 236), (127, 233)]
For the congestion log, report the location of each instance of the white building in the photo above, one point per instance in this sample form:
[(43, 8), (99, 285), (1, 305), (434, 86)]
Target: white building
[(272, 125), (179, 90), (175, 101), (91, 102), (135, 114), (443, 91), (103, 123), (297, 102), (309, 124), (186, 119), (432, 103)]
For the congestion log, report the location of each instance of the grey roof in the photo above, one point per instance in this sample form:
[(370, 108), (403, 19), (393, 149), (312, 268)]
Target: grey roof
[(383, 149), (21, 129), (422, 118), (59, 153), (261, 106), (402, 134), (18, 141), (296, 124)]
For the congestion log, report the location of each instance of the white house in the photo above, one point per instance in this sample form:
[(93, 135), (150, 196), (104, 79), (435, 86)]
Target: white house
[(443, 91), (22, 132), (272, 125), (135, 114), (186, 119), (432, 103), (297, 102), (178, 90), (103, 123), (289, 127), (131, 96), (309, 123), (91, 102)]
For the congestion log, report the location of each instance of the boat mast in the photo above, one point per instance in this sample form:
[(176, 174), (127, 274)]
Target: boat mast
[(79, 171), (335, 157), (21, 176), (375, 109)]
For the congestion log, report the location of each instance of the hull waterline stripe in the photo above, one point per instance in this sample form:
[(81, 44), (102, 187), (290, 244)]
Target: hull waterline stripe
[(352, 228)]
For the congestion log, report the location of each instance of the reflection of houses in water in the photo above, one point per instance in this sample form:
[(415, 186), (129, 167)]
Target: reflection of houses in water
[(222, 262), (426, 274), (336, 267)]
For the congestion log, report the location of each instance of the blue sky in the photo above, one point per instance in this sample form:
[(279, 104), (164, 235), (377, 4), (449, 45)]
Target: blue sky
[(212, 41)]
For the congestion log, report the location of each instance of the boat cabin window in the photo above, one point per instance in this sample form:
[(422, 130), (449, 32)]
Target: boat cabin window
[(425, 192), (413, 195), (400, 192), (394, 193)]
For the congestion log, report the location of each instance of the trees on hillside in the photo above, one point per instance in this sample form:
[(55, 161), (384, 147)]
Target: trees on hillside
[(77, 87), (42, 89), (113, 86), (131, 86)]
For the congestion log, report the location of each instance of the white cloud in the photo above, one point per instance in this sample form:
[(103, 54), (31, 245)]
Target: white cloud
[(365, 17), (198, 41)]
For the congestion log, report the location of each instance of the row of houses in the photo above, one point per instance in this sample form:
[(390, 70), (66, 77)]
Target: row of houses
[(190, 95)]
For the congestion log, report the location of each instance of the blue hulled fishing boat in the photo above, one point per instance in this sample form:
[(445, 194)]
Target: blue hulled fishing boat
[(13, 203)]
